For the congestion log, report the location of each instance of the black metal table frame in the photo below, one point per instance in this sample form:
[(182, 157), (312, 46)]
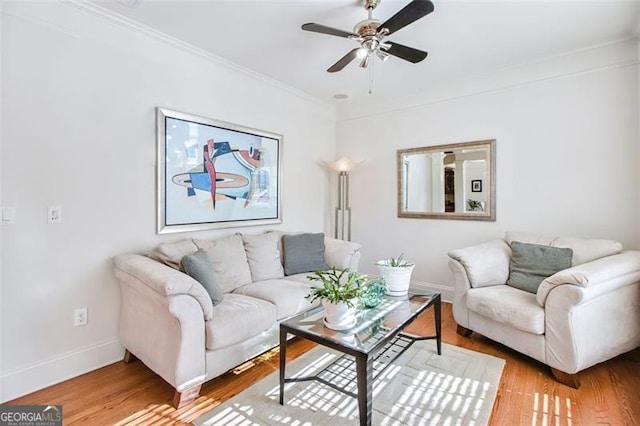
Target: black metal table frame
[(363, 360)]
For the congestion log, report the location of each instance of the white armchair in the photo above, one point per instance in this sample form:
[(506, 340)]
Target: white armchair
[(579, 317)]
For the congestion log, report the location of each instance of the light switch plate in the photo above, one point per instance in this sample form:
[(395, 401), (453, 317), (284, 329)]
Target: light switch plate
[(8, 215)]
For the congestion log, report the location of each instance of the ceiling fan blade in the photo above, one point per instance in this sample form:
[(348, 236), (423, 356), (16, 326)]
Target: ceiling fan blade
[(407, 53), (408, 14), (344, 61), (317, 28)]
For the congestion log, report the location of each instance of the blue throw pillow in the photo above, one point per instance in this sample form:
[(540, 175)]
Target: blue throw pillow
[(198, 267), (303, 253), (532, 263)]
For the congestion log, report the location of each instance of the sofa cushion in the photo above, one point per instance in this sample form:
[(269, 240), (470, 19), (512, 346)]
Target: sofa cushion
[(532, 263), (286, 295), (486, 264), (303, 253), (508, 305), (263, 256), (341, 254), (171, 254), (238, 318), (198, 267), (228, 260)]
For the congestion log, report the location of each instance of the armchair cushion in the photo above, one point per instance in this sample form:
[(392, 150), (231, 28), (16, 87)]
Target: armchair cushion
[(532, 263), (584, 250), (486, 264), (508, 305), (198, 267)]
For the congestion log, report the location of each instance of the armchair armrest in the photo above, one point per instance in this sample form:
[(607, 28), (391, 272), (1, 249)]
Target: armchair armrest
[(485, 264), (341, 254), (163, 279), (618, 269)]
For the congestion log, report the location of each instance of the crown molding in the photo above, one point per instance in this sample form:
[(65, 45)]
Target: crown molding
[(132, 25), (599, 57)]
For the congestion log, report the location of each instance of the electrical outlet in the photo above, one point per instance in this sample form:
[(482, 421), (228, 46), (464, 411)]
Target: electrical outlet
[(80, 317), (54, 214)]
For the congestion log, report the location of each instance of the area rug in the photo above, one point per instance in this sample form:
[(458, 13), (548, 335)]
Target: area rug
[(419, 388)]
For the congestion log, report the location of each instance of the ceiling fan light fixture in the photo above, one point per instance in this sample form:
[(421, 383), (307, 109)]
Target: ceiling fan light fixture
[(365, 62), (362, 53), (382, 55)]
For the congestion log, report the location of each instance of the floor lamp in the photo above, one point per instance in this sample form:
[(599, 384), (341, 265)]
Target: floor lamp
[(342, 220)]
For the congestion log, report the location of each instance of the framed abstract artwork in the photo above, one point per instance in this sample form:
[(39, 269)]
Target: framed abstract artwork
[(213, 174)]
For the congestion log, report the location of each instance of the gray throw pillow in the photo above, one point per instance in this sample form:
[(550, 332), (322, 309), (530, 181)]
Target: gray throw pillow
[(198, 267), (303, 253), (532, 263)]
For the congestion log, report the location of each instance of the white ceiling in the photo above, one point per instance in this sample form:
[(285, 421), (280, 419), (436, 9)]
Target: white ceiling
[(463, 38)]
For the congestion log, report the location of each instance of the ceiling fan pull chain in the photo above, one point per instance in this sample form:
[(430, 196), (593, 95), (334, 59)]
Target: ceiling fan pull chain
[(372, 65)]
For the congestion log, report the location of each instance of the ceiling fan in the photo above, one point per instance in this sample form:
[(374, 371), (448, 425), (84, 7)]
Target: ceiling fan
[(371, 35)]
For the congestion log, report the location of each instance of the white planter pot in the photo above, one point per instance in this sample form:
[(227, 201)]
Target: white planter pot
[(397, 278), (339, 316)]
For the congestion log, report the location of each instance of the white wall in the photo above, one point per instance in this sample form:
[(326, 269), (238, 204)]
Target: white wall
[(78, 111), (567, 155)]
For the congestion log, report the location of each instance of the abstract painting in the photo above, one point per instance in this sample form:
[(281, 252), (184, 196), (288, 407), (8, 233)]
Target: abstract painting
[(213, 174)]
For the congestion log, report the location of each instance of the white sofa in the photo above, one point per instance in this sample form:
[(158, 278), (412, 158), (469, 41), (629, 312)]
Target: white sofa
[(578, 317), (168, 320)]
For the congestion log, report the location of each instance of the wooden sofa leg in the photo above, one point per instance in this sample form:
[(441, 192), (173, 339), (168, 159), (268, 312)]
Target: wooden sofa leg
[(180, 399), (463, 331), (128, 357), (571, 380)]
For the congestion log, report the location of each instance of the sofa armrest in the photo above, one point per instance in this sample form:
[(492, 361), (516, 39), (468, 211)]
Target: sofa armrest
[(605, 273), (341, 254), (486, 264), (163, 279)]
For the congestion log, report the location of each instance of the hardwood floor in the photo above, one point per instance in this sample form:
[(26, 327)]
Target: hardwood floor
[(131, 394)]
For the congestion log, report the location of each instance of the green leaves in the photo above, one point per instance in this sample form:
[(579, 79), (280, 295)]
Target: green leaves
[(337, 286), (395, 262)]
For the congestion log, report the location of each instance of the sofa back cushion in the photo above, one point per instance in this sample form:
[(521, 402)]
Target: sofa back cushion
[(263, 256), (532, 263), (303, 253), (228, 261), (171, 254), (584, 250)]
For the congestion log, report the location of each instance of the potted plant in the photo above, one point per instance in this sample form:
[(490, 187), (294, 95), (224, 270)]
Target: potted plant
[(397, 274), (339, 294)]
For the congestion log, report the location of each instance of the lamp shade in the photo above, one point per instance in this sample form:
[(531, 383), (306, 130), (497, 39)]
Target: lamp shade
[(343, 164)]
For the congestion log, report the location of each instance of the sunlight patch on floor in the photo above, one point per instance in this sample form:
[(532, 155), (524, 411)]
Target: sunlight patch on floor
[(547, 410)]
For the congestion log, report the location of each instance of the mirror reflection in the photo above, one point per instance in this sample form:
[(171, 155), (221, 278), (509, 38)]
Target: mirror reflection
[(453, 181)]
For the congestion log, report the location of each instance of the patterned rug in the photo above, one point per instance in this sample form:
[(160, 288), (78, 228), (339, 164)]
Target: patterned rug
[(419, 388)]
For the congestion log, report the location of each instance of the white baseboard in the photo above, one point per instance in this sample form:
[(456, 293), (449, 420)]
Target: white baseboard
[(31, 378), (446, 293)]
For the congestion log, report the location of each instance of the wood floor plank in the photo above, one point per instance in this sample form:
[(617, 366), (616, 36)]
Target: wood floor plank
[(131, 394)]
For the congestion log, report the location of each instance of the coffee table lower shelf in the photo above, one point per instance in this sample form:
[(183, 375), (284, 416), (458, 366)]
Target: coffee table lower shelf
[(341, 373)]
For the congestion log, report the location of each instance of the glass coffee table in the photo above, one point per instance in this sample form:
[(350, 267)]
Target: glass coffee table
[(369, 346)]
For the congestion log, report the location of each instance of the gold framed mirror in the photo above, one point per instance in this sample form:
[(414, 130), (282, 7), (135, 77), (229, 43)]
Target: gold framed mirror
[(455, 181)]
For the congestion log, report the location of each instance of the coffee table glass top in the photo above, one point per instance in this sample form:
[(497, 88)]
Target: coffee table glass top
[(372, 325)]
